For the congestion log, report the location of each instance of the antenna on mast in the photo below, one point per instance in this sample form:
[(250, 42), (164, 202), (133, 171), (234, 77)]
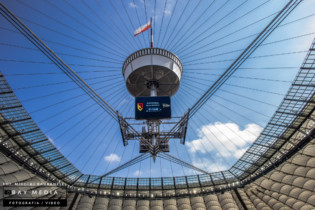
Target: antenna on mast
[(151, 33)]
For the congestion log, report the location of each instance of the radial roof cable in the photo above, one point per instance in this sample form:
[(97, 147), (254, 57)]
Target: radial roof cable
[(242, 58), (7, 14), (246, 53)]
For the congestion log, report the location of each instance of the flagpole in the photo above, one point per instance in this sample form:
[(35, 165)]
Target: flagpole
[(151, 34)]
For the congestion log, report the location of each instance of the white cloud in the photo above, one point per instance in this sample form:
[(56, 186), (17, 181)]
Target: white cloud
[(51, 141), (224, 140), (238, 154), (112, 158), (122, 102), (169, 7), (208, 165), (221, 141), (137, 173), (161, 9), (132, 5), (305, 43), (167, 12)]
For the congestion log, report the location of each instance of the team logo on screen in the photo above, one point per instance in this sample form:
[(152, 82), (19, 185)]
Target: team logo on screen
[(166, 105), (140, 106)]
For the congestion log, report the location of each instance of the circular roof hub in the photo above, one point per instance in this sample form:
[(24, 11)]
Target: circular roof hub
[(155, 65)]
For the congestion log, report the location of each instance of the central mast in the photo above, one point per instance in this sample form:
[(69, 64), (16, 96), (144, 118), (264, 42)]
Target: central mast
[(152, 76)]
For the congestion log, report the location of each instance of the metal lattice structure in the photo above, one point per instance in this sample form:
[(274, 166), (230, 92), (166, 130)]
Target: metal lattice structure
[(296, 108), (291, 125)]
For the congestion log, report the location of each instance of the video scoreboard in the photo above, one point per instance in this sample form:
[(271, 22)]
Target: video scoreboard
[(153, 107)]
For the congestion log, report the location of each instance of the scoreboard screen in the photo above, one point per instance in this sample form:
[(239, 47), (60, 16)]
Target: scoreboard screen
[(153, 107)]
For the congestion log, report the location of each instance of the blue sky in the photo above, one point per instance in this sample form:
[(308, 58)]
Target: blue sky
[(95, 37)]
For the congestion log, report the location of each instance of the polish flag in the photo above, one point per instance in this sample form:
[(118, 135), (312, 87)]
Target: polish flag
[(143, 28)]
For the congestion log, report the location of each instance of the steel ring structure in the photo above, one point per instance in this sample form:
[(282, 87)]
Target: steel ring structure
[(273, 168), (162, 60)]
